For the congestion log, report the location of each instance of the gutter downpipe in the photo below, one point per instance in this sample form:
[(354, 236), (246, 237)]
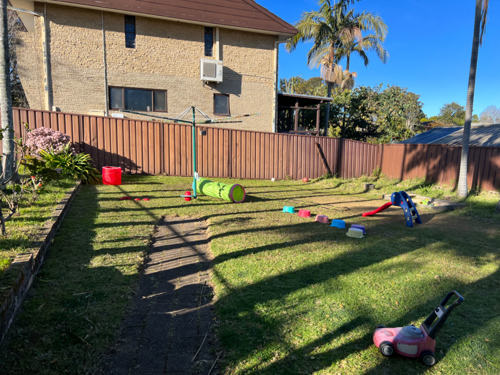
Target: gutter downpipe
[(105, 63), (275, 102), (49, 99)]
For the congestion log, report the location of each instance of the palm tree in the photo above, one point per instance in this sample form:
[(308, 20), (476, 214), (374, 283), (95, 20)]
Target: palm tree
[(7, 131), (338, 32), (336, 76), (479, 25)]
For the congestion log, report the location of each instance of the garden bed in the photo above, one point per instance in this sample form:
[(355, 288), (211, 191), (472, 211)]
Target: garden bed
[(23, 227), (18, 276), (292, 296)]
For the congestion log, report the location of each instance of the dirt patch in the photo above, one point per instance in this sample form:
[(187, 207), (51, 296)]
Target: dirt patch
[(169, 328)]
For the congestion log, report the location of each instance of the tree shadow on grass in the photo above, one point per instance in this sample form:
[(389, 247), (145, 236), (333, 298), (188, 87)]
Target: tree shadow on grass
[(246, 332), (70, 315)]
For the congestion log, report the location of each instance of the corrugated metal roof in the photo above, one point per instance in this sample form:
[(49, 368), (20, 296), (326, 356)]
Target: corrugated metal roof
[(430, 136), (244, 14), (481, 135)]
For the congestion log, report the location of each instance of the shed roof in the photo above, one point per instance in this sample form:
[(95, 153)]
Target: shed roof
[(481, 135), (243, 14)]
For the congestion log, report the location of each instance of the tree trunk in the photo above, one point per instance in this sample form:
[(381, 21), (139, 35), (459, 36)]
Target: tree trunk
[(464, 160), (327, 112), (6, 99), (342, 129)]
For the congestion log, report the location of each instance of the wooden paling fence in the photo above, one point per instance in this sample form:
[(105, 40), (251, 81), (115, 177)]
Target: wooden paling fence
[(163, 148)]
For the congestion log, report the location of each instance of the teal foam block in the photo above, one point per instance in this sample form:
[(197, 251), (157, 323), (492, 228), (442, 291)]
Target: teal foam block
[(337, 223), (289, 209)]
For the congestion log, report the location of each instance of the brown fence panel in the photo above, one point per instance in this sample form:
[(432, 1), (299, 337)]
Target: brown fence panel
[(356, 158), (161, 148)]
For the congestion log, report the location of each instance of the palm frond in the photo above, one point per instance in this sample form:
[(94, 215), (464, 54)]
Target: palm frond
[(306, 29)]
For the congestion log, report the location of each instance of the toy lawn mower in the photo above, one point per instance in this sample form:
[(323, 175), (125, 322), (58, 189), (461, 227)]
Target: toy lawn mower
[(414, 342)]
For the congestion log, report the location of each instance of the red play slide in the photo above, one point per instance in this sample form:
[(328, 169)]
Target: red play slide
[(381, 208)]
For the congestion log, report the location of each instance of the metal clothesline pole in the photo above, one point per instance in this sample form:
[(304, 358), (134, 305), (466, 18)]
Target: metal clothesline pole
[(195, 172), (193, 130)]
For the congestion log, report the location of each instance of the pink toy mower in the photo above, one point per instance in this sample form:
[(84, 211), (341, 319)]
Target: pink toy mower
[(414, 342)]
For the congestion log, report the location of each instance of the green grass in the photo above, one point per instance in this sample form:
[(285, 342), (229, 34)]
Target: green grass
[(22, 227), (292, 296)]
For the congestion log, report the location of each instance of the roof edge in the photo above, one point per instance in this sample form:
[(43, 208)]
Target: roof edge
[(271, 15), (292, 32)]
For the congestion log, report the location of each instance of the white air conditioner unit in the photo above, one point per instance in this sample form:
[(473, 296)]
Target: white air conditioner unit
[(211, 70)]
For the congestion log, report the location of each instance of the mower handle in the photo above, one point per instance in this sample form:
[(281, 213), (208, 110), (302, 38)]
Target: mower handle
[(440, 314), (459, 300)]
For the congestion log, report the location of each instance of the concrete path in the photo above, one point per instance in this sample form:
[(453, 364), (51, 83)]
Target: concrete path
[(169, 330)]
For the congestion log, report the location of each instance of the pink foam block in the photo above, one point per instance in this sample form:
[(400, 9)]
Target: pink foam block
[(323, 219), (304, 213)]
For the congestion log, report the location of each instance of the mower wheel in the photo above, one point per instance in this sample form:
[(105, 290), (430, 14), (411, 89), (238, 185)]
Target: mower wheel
[(386, 348), (428, 358)]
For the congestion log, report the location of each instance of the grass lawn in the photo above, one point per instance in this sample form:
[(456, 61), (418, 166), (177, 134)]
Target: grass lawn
[(292, 296), (21, 228)]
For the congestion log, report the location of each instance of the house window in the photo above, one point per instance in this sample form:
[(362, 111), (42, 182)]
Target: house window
[(130, 31), (137, 99), (209, 41), (221, 104)]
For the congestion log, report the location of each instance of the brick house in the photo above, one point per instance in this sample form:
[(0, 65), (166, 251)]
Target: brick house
[(154, 57)]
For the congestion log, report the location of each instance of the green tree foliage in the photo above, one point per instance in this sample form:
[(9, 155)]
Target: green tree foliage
[(452, 114), (398, 114), (336, 32), (354, 114), (376, 115), (298, 85)]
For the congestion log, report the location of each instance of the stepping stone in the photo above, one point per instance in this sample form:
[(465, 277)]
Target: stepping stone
[(337, 223), (359, 226), (323, 219), (355, 233), (304, 213)]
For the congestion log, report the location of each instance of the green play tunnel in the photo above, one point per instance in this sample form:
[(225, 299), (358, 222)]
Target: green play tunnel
[(231, 193)]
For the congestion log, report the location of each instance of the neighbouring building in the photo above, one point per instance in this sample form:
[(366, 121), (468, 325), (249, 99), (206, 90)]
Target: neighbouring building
[(155, 57), (483, 135)]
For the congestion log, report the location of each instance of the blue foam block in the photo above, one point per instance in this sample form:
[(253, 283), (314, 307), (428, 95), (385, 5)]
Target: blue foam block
[(337, 223)]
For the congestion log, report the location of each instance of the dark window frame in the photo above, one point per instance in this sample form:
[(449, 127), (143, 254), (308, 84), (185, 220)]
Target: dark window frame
[(228, 105), (153, 109), (130, 36), (209, 43)]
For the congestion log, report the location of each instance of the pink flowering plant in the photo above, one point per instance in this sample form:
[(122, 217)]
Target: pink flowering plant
[(50, 156), (45, 139)]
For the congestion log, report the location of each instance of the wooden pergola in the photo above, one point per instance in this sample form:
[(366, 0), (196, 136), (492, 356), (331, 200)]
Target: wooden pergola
[(297, 103)]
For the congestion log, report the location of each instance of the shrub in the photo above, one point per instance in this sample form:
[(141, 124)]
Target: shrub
[(45, 139), (69, 164)]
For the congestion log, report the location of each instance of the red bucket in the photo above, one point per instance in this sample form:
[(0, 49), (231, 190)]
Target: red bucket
[(111, 175)]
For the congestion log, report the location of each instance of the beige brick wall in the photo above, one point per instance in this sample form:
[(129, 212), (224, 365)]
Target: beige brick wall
[(167, 57)]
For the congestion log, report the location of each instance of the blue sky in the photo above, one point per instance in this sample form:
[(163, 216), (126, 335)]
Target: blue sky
[(429, 44)]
